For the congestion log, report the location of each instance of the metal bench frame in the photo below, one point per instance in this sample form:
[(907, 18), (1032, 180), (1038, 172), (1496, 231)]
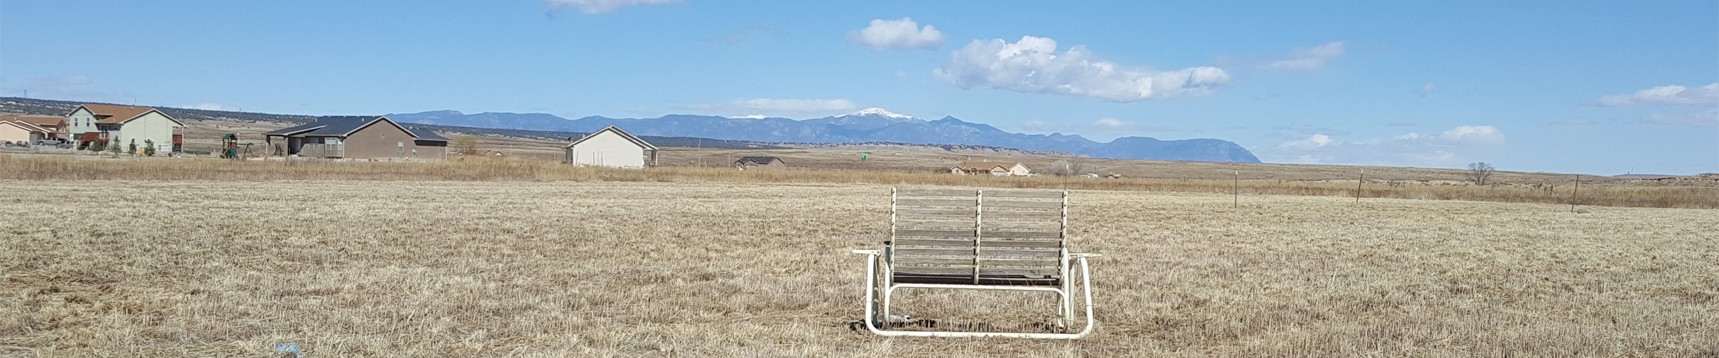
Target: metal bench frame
[(878, 310)]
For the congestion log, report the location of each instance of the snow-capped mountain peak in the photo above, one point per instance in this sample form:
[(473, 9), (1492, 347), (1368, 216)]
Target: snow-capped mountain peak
[(878, 111)]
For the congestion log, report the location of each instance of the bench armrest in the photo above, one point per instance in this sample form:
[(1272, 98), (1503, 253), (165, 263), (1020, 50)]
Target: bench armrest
[(867, 252), (1074, 255)]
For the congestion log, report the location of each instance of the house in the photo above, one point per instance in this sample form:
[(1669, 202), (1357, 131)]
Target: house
[(611, 147), (18, 132), (356, 137), (54, 125), (123, 125), (993, 168), (760, 163)]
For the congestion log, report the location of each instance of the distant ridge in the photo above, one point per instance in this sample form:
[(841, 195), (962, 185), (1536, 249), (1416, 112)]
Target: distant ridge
[(867, 125)]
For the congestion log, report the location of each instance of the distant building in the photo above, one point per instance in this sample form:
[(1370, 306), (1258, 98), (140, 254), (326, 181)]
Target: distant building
[(993, 168), (760, 163), (357, 137), (123, 125), (16, 132), (611, 147), (54, 126)]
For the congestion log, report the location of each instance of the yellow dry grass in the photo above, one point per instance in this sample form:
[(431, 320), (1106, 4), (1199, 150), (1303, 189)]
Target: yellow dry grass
[(464, 268), (93, 167)]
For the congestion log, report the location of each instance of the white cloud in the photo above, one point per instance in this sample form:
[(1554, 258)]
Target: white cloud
[(1033, 65), (778, 107), (1708, 118), (1478, 134), (1308, 58), (1428, 89), (897, 34), (1449, 149), (602, 6), (1673, 95), (1111, 123), (208, 107), (1317, 140)]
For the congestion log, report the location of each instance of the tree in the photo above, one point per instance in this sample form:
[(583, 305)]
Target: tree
[(466, 145), (1060, 167), (113, 148), (149, 147), (96, 147), (132, 148), (1480, 172)]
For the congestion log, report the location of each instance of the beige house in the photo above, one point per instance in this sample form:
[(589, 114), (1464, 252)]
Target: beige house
[(123, 125), (993, 168), (54, 125), (611, 147), (17, 132), (760, 163)]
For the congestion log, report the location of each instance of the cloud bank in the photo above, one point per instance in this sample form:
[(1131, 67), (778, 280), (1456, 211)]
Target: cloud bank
[(1033, 65)]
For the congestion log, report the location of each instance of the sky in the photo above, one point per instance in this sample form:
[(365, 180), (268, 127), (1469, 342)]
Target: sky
[(1584, 87)]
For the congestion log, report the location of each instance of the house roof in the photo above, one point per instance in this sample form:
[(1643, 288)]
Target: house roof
[(51, 121), (618, 131), (425, 134), (24, 126), (758, 160), (117, 114), (985, 165), (342, 126)]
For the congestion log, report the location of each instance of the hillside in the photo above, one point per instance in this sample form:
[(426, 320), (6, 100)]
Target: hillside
[(870, 125)]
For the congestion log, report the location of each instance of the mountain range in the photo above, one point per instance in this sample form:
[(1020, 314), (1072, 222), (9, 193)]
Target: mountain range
[(869, 125)]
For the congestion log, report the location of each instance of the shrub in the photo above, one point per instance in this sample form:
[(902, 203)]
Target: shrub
[(149, 147)]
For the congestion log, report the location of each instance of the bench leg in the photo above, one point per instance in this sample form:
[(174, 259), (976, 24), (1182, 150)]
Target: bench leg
[(871, 320)]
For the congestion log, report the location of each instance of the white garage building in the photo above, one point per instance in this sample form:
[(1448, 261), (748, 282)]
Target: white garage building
[(611, 147)]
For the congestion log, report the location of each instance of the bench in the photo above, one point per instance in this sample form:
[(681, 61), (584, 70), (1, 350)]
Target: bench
[(979, 240)]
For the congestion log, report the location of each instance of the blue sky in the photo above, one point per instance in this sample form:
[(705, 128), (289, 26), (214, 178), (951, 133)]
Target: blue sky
[(1601, 88)]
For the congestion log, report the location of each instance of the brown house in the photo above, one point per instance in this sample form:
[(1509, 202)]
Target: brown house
[(760, 163), (357, 137)]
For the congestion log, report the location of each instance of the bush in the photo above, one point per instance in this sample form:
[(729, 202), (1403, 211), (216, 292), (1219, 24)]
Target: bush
[(97, 146), (149, 147)]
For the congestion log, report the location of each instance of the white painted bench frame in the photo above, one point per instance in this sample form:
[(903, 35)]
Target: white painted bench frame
[(875, 309)]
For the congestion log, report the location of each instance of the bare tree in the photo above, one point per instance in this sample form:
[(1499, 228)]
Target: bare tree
[(1060, 167), (1480, 172)]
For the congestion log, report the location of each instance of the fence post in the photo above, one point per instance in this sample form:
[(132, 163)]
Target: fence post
[(1575, 191), (1235, 193), (1358, 185)]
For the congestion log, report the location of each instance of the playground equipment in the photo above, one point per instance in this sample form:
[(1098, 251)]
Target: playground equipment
[(229, 147)]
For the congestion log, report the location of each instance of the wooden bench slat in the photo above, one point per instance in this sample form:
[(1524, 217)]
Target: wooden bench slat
[(1038, 262), (1021, 244), (1025, 194), (968, 271), (901, 193), (1023, 204), (935, 214), (983, 271), (914, 203), (1022, 225), (984, 252), (1021, 234), (968, 234), (968, 243), (1021, 215)]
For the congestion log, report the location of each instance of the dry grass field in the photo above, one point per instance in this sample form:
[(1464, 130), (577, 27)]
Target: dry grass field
[(471, 268)]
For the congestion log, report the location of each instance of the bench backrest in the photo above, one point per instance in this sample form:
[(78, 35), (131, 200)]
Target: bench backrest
[(988, 236)]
